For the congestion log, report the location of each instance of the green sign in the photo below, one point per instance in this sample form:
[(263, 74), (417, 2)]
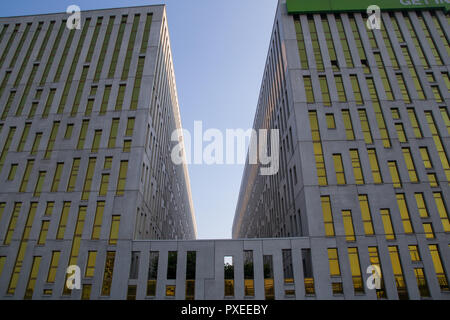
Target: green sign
[(323, 6)]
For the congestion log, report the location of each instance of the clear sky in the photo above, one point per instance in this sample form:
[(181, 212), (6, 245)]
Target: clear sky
[(219, 52)]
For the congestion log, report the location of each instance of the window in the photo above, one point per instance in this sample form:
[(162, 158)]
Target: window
[(121, 182), (394, 174), (344, 42), (12, 172), (333, 259), (118, 44), (318, 152), (421, 205), (401, 133), (358, 283), (356, 89), (348, 125), (445, 117), (410, 165), (104, 185), (374, 258), (69, 130), (414, 123), (339, 168), (43, 233), (130, 127), (326, 100), (108, 273), (422, 282), (134, 266), (331, 124), (308, 89), (113, 133), (23, 245), (148, 23), (36, 143), (96, 229), (366, 215), (8, 104), (425, 158), (327, 216), (432, 180), (49, 208), (340, 88), (301, 43), (172, 257), (398, 273), (105, 100), (378, 113), (131, 40), (414, 253), (395, 114), (102, 55), (433, 48), (12, 223), (32, 278), (63, 221), (114, 232), (249, 277), (330, 44), (79, 91), (120, 97), (48, 104), (191, 257), (438, 142), (88, 179), (269, 285), (54, 263), (315, 44), (442, 210), (108, 163), (127, 145), (387, 223), (152, 273), (428, 229), (89, 107), (24, 137), (308, 272), (57, 177), (94, 39), (404, 213), (137, 84), (83, 132), (365, 126), (96, 141), (26, 176), (73, 175), (403, 89), (384, 77), (356, 164), (348, 225), (438, 268), (415, 40), (374, 166), (86, 292)]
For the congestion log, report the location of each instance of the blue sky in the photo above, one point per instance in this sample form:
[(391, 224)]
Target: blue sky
[(219, 52)]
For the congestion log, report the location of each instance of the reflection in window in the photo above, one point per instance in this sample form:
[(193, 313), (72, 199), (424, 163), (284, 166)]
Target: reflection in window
[(191, 257), (152, 273), (249, 279), (229, 276), (269, 289)]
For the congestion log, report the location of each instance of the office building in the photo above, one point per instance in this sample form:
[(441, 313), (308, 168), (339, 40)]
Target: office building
[(86, 117), (364, 137)]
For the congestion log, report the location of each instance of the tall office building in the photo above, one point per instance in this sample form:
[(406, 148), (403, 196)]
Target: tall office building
[(86, 117), (364, 137)]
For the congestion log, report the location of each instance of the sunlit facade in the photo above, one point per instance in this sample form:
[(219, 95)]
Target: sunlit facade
[(364, 133), (86, 117)]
